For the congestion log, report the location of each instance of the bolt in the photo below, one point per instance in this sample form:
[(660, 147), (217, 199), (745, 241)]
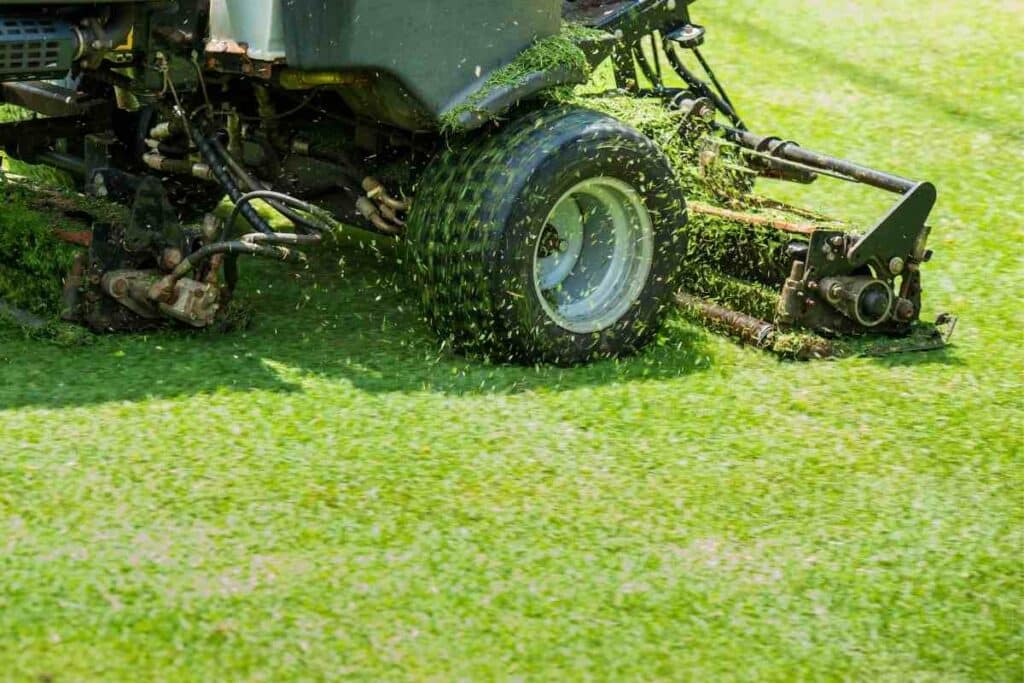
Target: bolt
[(896, 265), (837, 242), (905, 309)]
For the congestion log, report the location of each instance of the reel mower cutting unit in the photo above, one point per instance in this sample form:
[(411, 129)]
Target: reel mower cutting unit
[(538, 221)]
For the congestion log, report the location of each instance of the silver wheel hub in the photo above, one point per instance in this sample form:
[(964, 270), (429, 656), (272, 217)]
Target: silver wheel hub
[(593, 255)]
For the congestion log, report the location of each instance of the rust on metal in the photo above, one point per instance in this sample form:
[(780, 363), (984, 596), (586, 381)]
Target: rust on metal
[(71, 293), (803, 212), (755, 331), (82, 238), (751, 219)]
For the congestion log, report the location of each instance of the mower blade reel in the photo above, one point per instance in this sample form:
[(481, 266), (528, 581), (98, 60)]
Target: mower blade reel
[(807, 346), (805, 287), (747, 328), (840, 282)]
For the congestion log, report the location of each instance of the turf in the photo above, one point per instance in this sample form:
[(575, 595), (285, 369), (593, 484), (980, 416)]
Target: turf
[(329, 495)]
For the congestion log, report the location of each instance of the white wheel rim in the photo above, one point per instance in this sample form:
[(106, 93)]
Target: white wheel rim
[(593, 255)]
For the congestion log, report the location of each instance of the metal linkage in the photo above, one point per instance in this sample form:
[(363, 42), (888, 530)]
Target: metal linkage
[(381, 210), (717, 95), (786, 150)]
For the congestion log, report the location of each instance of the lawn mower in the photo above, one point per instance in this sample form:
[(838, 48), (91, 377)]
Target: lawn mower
[(540, 219)]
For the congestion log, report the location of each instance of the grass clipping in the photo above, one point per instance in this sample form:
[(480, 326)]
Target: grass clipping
[(34, 261), (562, 52), (734, 264), (737, 265)]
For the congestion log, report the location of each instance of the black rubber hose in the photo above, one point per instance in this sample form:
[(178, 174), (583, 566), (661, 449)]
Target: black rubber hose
[(245, 201), (702, 88), (233, 248), (219, 167), (255, 185), (283, 239), (231, 261), (239, 247)]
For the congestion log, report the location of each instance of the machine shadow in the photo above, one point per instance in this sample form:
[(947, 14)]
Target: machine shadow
[(345, 318), (946, 356)]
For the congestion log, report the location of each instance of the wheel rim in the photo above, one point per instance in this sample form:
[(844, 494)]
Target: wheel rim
[(593, 255)]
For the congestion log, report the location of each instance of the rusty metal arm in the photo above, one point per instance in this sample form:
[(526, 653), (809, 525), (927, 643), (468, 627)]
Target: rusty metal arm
[(788, 151)]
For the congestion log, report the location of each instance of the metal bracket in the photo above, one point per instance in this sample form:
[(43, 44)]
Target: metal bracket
[(688, 36), (901, 233)]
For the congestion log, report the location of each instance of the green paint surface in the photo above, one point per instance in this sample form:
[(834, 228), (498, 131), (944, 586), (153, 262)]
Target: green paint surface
[(555, 52), (330, 496)]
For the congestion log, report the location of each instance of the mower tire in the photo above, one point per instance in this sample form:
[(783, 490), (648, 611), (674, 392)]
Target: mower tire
[(556, 238)]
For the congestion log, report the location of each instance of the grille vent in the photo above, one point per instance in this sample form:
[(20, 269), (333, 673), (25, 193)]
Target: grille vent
[(34, 48)]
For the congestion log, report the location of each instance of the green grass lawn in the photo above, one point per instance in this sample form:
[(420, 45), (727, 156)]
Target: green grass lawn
[(330, 495)]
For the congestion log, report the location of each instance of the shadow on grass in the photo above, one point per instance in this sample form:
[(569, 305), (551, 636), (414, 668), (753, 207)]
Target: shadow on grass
[(871, 79), (346, 323), (947, 356)]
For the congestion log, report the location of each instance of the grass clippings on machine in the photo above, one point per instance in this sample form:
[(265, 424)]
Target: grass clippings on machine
[(541, 218)]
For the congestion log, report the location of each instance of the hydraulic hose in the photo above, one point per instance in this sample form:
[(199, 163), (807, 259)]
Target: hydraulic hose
[(245, 202), (164, 288), (265, 242), (282, 238), (219, 167), (235, 247), (702, 88), (255, 185), (231, 262)]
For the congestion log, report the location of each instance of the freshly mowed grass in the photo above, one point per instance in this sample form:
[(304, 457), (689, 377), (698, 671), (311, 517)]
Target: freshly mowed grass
[(329, 495)]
